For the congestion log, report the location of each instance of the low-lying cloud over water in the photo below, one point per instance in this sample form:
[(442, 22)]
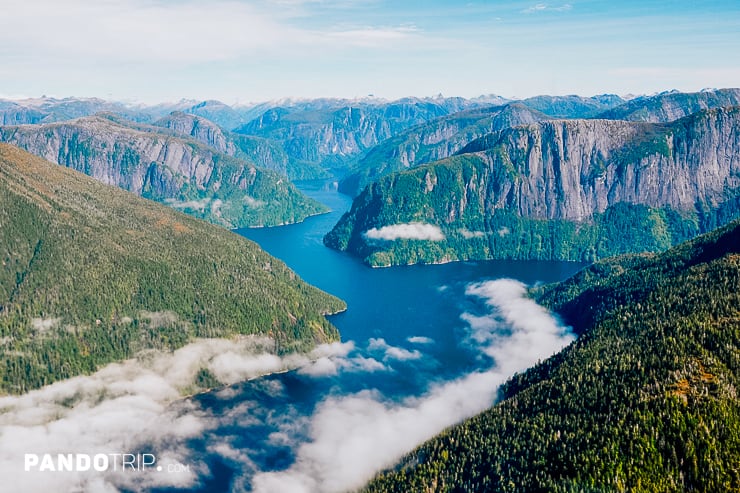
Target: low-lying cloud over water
[(337, 445), (406, 231)]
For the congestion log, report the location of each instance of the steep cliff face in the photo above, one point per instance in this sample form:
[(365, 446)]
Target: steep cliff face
[(434, 140), (180, 172), (198, 128), (670, 106), (264, 153), (572, 189)]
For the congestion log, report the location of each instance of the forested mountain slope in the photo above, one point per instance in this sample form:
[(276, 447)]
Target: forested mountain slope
[(434, 140), (91, 274), (562, 189), (645, 400), (176, 170)]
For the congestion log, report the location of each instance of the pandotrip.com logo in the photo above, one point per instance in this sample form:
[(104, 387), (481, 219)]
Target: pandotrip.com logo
[(120, 461)]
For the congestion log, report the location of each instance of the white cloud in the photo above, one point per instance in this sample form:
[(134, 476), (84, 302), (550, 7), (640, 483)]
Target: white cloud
[(320, 368), (392, 352), (353, 437), (132, 404), (420, 340), (373, 36), (135, 30), (198, 205), (184, 32), (406, 231), (543, 7), (330, 359), (252, 202), (467, 234)]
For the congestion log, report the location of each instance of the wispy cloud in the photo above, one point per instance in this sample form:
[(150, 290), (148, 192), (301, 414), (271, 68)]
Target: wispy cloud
[(351, 437), (420, 340), (175, 32), (467, 234), (134, 404), (543, 7), (406, 231), (392, 352), (374, 36)]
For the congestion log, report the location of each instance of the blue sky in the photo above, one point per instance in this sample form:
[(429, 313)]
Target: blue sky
[(255, 50)]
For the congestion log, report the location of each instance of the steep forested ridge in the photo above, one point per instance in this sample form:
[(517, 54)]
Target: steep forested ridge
[(645, 400), (91, 274), (562, 189), (181, 172), (434, 140)]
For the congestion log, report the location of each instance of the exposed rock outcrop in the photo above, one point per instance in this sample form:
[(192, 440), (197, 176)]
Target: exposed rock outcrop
[(180, 172), (564, 189)]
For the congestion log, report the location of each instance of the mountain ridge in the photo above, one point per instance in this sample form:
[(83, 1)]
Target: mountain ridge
[(92, 274), (168, 167), (644, 400), (560, 189)]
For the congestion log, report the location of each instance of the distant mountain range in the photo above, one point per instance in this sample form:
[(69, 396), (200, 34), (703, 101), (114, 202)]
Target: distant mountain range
[(357, 141), (92, 274)]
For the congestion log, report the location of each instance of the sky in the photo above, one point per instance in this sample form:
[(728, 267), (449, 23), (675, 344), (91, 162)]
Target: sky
[(241, 51)]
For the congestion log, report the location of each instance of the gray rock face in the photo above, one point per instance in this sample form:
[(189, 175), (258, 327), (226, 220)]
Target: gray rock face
[(572, 169), (559, 189), (199, 129), (333, 135), (434, 140), (178, 171)]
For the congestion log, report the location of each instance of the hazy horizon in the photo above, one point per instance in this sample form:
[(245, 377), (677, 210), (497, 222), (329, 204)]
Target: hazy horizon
[(243, 51)]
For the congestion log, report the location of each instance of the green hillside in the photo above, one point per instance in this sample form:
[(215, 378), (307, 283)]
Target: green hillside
[(645, 400), (91, 274), (556, 190), (161, 165)]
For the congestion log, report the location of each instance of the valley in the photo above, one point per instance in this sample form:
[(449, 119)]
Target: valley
[(534, 358)]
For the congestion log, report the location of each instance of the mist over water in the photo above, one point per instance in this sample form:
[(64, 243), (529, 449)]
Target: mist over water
[(423, 347)]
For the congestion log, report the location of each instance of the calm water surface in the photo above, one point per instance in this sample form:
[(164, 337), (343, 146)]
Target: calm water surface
[(423, 303)]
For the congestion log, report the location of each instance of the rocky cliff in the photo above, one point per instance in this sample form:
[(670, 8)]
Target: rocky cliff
[(332, 136), (264, 153), (181, 172), (564, 189), (200, 129), (434, 140)]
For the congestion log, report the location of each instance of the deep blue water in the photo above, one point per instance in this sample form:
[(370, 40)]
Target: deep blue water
[(394, 304)]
